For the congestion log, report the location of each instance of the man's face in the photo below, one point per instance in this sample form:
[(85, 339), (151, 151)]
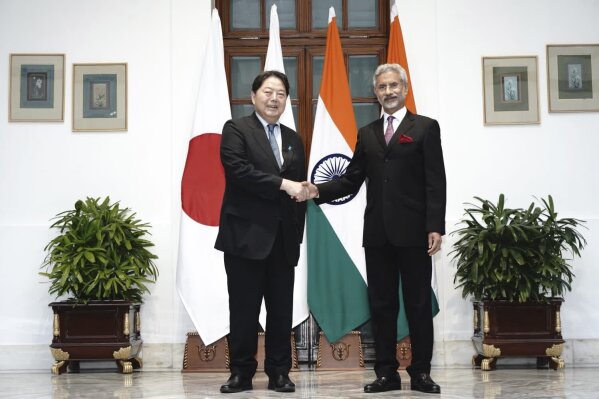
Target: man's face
[(270, 99), (390, 92)]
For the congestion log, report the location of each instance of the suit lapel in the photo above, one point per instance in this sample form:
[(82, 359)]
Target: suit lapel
[(259, 134), (287, 150), (406, 124), (378, 132)]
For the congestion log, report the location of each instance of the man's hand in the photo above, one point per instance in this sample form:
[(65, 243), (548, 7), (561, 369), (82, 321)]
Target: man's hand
[(434, 243), (295, 190), (312, 189)]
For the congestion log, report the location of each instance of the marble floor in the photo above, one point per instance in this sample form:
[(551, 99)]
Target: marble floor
[(455, 383)]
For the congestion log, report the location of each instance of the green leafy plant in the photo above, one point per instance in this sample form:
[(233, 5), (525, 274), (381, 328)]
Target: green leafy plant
[(100, 253), (515, 254)]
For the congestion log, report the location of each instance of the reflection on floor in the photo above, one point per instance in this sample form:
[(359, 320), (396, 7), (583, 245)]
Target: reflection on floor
[(455, 383)]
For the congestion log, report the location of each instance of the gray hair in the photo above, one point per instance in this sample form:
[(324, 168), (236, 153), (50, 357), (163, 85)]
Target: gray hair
[(403, 76)]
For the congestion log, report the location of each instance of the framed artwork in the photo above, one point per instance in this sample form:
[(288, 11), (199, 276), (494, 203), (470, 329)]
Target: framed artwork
[(573, 77), (510, 90), (99, 97), (36, 88)]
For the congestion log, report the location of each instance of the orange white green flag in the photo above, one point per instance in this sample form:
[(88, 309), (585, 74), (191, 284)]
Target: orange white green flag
[(201, 277), (396, 53), (337, 290)]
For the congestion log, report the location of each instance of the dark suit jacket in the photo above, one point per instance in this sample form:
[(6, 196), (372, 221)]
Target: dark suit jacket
[(405, 182), (253, 204)]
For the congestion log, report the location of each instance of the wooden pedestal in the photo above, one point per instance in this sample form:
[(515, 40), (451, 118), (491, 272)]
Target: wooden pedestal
[(345, 354), (511, 329), (404, 353), (215, 357), (261, 355), (205, 358), (97, 331)]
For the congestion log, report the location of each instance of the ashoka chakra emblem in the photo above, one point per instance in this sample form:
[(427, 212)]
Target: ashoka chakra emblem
[(330, 168)]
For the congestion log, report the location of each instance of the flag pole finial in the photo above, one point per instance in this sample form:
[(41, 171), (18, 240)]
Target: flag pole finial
[(331, 14)]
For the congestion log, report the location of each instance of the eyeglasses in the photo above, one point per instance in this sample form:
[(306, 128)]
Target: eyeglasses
[(279, 94), (393, 86)]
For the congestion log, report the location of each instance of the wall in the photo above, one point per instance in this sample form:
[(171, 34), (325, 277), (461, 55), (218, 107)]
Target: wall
[(555, 157), (45, 167)]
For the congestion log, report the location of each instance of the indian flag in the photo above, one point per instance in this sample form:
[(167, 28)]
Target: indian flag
[(396, 54), (337, 290)]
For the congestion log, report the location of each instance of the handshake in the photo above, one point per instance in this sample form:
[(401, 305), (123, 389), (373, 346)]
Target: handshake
[(299, 191)]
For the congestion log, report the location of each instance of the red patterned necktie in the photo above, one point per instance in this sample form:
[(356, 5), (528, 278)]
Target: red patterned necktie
[(389, 132)]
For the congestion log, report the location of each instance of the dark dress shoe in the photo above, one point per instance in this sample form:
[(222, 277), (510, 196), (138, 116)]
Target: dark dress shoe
[(424, 383), (281, 383), (236, 383), (384, 384)]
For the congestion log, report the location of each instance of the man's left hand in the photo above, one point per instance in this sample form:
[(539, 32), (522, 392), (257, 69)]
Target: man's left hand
[(434, 243)]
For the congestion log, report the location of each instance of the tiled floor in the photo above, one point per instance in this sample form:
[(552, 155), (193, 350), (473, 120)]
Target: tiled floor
[(455, 383)]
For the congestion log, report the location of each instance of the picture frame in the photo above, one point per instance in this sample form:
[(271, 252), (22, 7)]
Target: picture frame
[(36, 88), (510, 90), (100, 97), (573, 77)]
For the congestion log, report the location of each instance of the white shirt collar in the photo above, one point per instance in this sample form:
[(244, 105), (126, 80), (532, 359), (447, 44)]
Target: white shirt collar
[(264, 122), (397, 115)]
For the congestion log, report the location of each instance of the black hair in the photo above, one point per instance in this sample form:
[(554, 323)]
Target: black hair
[(259, 80)]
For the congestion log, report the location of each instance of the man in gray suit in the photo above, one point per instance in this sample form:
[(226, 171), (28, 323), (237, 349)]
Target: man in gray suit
[(261, 228)]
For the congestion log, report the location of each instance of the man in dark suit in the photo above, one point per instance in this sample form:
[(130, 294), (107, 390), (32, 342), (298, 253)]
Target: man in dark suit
[(261, 228), (400, 158)]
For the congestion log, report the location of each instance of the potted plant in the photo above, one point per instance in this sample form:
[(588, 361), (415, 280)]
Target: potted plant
[(514, 262), (100, 258)]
